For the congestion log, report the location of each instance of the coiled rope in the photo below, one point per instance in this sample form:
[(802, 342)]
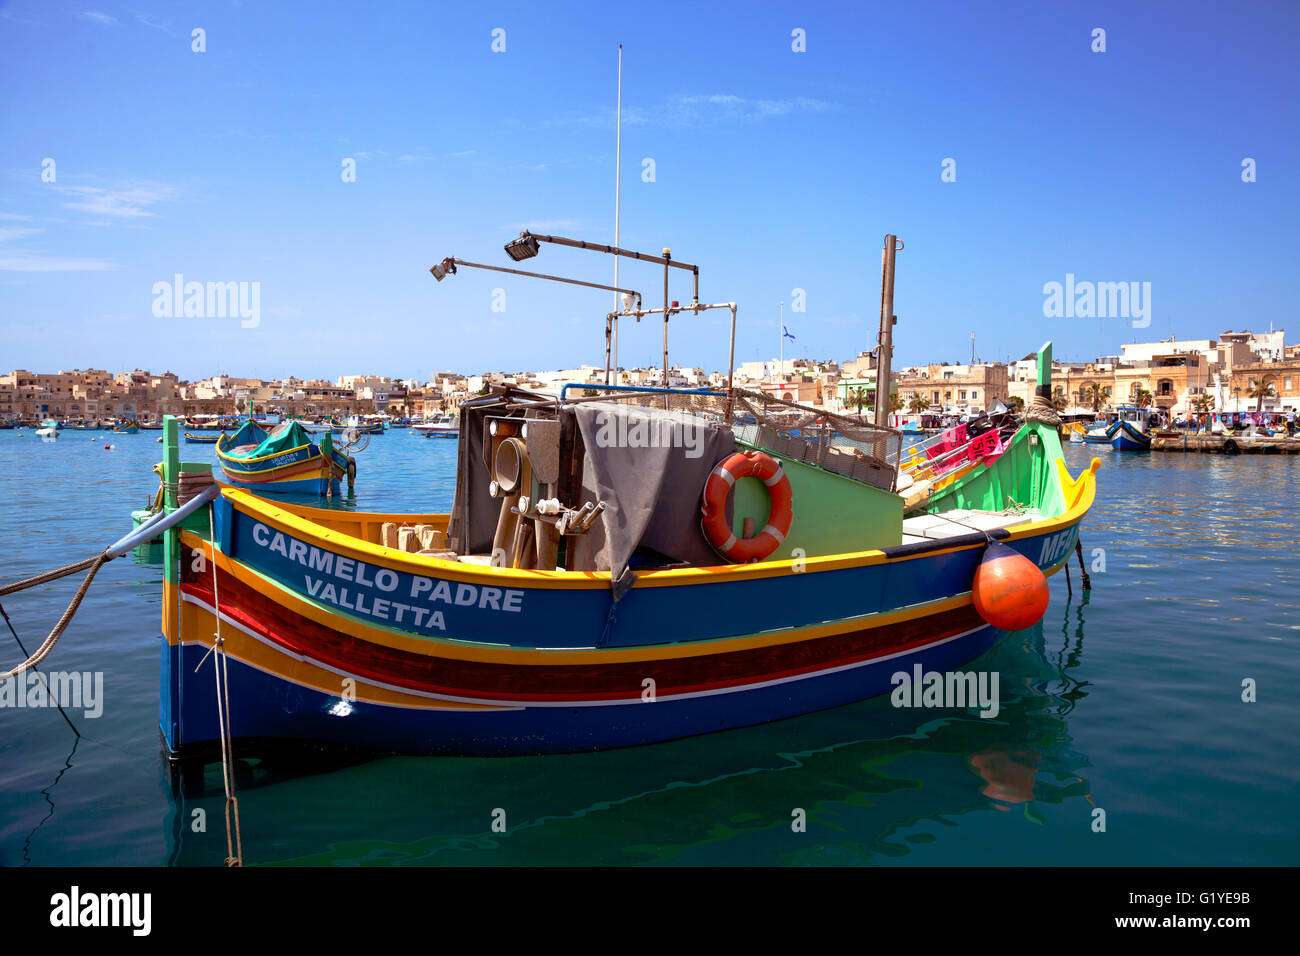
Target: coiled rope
[(1042, 411)]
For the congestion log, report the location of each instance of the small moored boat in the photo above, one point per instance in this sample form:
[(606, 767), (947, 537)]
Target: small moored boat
[(285, 460)]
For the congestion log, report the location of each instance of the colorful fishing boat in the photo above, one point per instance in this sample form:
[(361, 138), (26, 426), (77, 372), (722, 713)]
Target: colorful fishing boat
[(1131, 430), (358, 425), (1100, 433), (130, 427), (201, 439), (573, 599), (285, 460)]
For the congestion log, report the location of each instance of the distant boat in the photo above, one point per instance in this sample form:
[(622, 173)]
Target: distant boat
[(1132, 430), (202, 439), (131, 427), (444, 427), (1100, 433), (285, 460), (356, 424), (48, 430)]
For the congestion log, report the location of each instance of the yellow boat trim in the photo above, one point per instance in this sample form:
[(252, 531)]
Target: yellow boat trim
[(1077, 492)]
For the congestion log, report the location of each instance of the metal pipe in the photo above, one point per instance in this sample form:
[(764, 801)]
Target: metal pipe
[(541, 275), (612, 250)]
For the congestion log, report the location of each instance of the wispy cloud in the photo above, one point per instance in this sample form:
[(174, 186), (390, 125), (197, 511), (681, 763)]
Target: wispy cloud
[(463, 152), (97, 17), (14, 216), (33, 262), (130, 201), (152, 22), (703, 109), (8, 235)]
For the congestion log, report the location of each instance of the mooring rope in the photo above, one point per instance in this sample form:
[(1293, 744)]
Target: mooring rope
[(54, 575), (47, 645)]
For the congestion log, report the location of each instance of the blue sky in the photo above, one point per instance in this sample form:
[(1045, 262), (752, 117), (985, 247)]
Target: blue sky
[(775, 170)]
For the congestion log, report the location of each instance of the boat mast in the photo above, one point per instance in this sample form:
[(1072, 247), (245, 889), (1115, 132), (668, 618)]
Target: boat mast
[(618, 166), (885, 350)]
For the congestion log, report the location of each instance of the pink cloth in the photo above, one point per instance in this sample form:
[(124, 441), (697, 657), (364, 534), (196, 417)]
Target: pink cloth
[(948, 441)]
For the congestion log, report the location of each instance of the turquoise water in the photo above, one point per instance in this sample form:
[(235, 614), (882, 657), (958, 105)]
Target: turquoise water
[(1125, 699)]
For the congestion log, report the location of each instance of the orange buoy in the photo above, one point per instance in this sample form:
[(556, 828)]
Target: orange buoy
[(107, 447), (1009, 590)]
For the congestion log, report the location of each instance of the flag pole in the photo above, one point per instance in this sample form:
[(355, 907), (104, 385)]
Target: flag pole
[(780, 331)]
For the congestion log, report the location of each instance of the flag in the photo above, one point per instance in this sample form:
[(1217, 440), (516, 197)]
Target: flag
[(785, 334)]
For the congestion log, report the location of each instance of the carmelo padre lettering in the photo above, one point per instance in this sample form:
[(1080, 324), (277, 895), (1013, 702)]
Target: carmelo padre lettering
[(408, 591)]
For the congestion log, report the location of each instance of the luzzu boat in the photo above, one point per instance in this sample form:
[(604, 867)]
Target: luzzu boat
[(358, 425), (1101, 433), (573, 599), (1131, 431), (201, 439), (131, 427), (285, 460)]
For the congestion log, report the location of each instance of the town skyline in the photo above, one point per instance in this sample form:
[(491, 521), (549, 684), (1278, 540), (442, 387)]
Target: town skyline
[(1173, 375)]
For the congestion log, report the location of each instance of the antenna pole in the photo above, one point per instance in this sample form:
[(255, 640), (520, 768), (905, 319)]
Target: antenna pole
[(618, 168)]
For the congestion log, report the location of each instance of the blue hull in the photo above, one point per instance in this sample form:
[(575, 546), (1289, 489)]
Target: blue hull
[(1128, 438), (263, 706)]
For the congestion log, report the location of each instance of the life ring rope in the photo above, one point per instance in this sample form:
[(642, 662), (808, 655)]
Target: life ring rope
[(714, 524)]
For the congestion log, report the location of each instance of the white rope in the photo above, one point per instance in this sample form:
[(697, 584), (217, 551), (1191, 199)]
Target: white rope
[(234, 846)]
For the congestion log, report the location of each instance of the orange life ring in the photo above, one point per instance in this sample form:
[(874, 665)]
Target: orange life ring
[(749, 464)]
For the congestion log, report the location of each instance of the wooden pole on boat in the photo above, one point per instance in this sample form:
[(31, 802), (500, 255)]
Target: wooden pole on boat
[(667, 262), (887, 320)]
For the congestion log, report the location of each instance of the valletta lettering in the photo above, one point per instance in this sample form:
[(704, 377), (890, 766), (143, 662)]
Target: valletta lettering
[(412, 598)]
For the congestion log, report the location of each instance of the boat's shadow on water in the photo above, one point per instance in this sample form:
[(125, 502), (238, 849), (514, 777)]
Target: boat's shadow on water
[(872, 781)]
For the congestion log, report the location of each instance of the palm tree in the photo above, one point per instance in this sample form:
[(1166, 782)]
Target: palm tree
[(895, 402), (1060, 402), (1096, 395), (859, 395), (1260, 391), (1201, 404), (917, 405), (1142, 397)]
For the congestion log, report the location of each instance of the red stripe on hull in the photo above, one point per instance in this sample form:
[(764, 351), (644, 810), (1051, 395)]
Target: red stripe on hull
[(546, 682)]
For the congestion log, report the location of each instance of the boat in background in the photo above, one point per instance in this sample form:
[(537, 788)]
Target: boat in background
[(356, 424), (1132, 429), (202, 439), (283, 461), (48, 429), (1100, 433), (130, 427), (443, 427)]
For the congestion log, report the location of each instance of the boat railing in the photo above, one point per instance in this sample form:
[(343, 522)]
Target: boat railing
[(951, 450), (847, 445)]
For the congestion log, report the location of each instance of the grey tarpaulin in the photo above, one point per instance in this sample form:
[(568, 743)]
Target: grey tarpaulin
[(649, 466)]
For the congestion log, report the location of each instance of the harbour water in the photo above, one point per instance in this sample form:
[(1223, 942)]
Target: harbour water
[(1125, 699)]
